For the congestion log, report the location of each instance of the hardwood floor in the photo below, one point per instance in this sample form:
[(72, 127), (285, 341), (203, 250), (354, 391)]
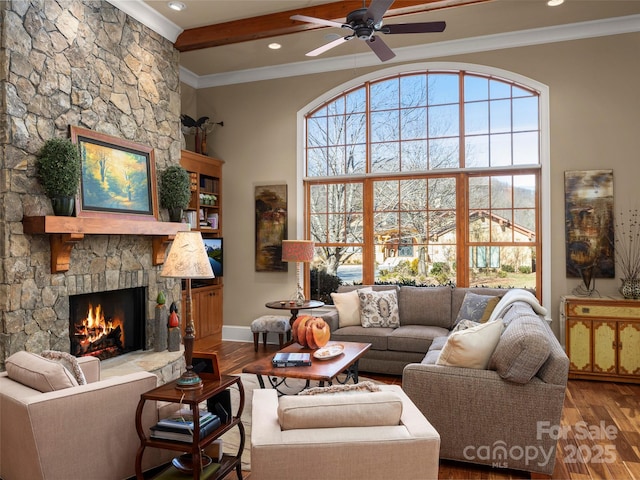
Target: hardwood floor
[(600, 425)]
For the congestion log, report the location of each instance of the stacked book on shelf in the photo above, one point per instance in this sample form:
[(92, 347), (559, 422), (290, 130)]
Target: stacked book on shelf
[(179, 426)]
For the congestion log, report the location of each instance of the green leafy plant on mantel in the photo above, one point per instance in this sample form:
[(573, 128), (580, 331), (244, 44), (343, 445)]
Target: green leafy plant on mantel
[(59, 167), (175, 191)]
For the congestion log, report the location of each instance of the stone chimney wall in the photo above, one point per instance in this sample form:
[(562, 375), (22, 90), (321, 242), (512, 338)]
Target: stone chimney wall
[(84, 63)]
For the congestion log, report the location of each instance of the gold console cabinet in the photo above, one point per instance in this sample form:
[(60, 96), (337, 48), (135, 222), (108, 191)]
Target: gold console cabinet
[(602, 338)]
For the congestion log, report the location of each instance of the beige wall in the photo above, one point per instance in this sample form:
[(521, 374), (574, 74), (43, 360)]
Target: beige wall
[(594, 118)]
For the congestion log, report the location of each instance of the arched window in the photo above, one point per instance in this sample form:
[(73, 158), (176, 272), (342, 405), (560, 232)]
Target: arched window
[(425, 177)]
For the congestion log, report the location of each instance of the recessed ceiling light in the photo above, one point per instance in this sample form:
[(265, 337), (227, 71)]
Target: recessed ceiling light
[(177, 6), (555, 3), (275, 46)]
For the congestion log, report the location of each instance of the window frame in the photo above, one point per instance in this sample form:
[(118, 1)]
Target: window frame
[(543, 202)]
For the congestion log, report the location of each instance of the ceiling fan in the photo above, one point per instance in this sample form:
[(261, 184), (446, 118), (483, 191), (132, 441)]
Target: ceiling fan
[(365, 23)]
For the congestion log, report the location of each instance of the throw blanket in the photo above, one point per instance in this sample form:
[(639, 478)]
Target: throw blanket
[(516, 295)]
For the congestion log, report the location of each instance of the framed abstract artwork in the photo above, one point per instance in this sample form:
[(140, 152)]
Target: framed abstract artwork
[(589, 224), (118, 177), (271, 227)]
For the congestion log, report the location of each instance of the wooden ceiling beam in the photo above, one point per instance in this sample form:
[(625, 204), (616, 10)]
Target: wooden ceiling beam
[(274, 24)]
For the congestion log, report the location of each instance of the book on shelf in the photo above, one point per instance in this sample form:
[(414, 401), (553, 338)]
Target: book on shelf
[(184, 420), (282, 359), (171, 433)]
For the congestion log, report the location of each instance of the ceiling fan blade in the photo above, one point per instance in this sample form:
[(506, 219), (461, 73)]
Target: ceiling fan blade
[(328, 46), (380, 48), (319, 21), (425, 27), (377, 9)]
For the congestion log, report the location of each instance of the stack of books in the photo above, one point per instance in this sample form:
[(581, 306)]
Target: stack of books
[(291, 360), (179, 426)]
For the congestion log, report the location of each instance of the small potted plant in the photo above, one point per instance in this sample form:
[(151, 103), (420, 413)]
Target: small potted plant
[(58, 166), (175, 191)]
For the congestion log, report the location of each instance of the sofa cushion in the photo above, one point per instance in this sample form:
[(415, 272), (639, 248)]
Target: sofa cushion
[(414, 338), (352, 409), (38, 373), (522, 349), (377, 337), (379, 309), (348, 306), (425, 306), (471, 348), (476, 307)]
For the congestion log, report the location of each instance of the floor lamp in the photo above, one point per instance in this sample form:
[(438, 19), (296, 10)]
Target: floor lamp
[(187, 259), (299, 251)]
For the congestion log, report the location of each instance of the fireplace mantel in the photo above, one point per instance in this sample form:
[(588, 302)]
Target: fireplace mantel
[(64, 232)]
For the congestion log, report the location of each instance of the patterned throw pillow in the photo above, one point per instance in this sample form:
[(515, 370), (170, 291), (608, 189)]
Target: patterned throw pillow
[(68, 361), (379, 309), (477, 308)]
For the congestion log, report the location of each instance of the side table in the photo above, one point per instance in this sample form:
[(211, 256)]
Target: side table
[(293, 308), (169, 393)]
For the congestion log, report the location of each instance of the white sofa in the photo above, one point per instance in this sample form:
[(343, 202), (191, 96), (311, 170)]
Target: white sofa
[(86, 431), (407, 450)]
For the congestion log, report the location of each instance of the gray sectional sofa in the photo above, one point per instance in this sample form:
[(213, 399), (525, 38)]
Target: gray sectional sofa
[(503, 415)]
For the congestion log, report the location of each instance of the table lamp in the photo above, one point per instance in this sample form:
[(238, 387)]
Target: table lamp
[(187, 259), (299, 251)]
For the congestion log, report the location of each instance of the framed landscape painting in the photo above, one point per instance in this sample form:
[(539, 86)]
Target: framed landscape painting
[(118, 177)]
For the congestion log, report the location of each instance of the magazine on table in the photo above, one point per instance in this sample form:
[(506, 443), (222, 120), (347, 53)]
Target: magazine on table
[(169, 433), (282, 359), (183, 420)]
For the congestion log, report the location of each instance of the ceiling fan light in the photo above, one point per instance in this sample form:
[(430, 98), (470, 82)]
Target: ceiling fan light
[(177, 6), (555, 3)]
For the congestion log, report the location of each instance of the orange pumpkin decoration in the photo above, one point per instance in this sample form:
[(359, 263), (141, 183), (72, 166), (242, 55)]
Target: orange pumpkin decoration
[(310, 332)]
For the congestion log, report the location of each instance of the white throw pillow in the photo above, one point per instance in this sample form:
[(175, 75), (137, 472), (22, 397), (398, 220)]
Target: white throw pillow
[(379, 309), (472, 347), (348, 306)]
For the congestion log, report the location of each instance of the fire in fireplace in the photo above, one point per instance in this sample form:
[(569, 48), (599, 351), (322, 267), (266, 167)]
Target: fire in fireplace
[(107, 324)]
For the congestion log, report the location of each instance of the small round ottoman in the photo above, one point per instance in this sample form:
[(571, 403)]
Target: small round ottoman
[(270, 324)]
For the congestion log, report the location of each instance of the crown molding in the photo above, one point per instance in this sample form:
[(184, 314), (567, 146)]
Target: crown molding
[(149, 17), (522, 38)]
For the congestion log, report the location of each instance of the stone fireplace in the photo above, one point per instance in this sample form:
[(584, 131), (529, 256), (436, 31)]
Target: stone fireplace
[(89, 64), (107, 324)]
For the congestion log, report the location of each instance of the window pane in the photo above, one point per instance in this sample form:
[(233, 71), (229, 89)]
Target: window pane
[(516, 266), (502, 226), (500, 119), (525, 224), (317, 132), (336, 160), (336, 130), (501, 191), (414, 155), (500, 150), (336, 107), (479, 226), (413, 194), (317, 162), (499, 89), (442, 193), (385, 157), (319, 231), (413, 224), (479, 193), (525, 194), (356, 158), (413, 123), (385, 94), (477, 152), (525, 149), (525, 114), (356, 125), (385, 195), (444, 121), (413, 90), (475, 88), (476, 118), (384, 126), (443, 89), (444, 153), (356, 101)]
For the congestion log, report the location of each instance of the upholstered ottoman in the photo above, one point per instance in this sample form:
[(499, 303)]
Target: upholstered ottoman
[(270, 324), (368, 436)]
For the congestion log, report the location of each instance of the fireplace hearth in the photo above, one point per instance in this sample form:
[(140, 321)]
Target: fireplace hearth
[(107, 324)]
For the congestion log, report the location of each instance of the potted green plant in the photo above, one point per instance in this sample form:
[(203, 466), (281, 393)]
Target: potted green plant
[(175, 191), (59, 166)]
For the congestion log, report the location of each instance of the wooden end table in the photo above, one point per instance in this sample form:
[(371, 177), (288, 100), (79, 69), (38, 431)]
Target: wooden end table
[(212, 386), (293, 308), (322, 371)]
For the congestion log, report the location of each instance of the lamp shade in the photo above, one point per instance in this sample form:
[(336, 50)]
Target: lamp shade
[(187, 257), (297, 250)]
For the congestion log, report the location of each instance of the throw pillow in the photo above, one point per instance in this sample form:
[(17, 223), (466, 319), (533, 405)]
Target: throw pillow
[(471, 348), (379, 309), (464, 324), (352, 387), (38, 372), (477, 308), (68, 361), (348, 306), (363, 409)]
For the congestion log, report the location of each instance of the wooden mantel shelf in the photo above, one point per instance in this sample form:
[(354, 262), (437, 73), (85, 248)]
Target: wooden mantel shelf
[(64, 232)]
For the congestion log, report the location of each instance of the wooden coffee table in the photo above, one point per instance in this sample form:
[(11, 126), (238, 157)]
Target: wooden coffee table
[(322, 371)]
